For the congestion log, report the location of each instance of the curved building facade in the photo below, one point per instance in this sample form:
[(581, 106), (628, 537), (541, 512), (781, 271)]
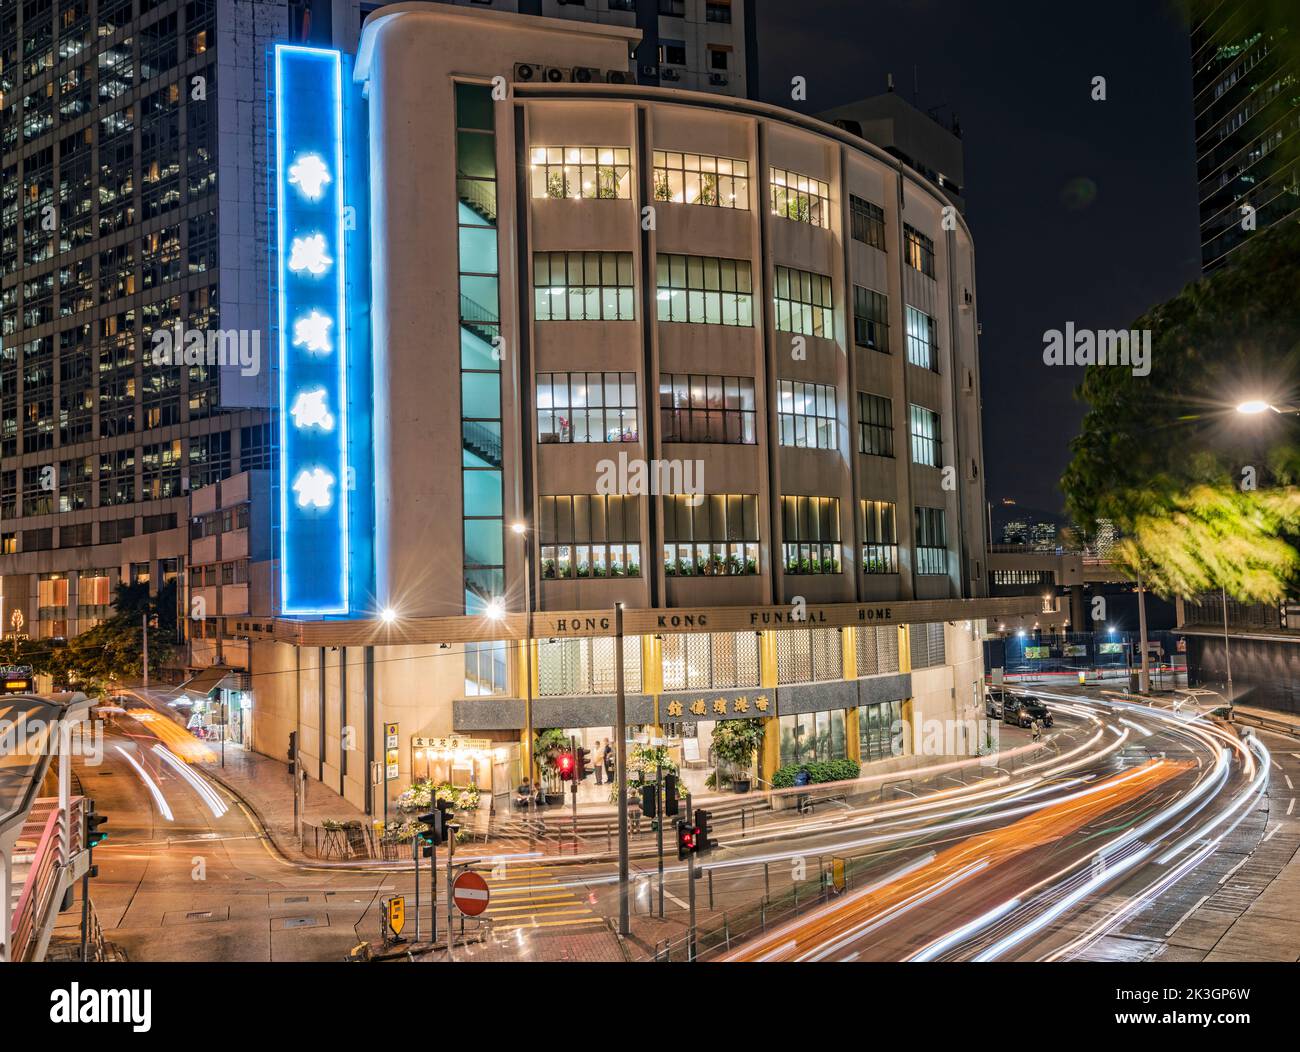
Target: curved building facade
[(706, 358)]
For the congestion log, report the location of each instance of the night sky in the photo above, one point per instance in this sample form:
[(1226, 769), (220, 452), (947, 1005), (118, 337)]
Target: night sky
[(1047, 251)]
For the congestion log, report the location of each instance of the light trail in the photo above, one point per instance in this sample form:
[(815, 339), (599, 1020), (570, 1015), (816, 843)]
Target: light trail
[(215, 804), (158, 798)]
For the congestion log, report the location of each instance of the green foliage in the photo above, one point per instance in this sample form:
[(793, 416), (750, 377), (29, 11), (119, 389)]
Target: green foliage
[(1164, 456), (819, 772), (735, 741)]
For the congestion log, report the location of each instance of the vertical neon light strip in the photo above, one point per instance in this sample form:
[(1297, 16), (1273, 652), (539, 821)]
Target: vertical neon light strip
[(312, 325)]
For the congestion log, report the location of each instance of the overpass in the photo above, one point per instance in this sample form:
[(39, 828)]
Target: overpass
[(42, 838), (1051, 568)]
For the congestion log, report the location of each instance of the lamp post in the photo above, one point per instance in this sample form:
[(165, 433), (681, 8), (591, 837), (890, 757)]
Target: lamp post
[(1256, 406), (521, 531)]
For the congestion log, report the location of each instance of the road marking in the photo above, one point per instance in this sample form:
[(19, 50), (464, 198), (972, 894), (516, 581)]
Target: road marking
[(1271, 833), (851, 957), (1288, 781), (559, 907), (533, 898), (1179, 923), (550, 924), (1291, 806)]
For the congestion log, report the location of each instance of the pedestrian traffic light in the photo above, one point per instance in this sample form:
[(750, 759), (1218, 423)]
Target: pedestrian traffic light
[(648, 802), (564, 764), (686, 834), (93, 821), (436, 826), (293, 752), (703, 843), (670, 794), (583, 768)]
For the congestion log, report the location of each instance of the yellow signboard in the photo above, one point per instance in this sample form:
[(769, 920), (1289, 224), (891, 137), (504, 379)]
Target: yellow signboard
[(837, 873), (395, 913)]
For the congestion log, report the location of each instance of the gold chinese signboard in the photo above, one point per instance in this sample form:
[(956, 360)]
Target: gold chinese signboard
[(742, 705)]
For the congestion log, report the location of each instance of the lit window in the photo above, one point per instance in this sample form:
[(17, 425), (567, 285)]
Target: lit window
[(581, 172), (583, 286), (803, 303), (699, 179), (807, 415), (800, 197), (704, 290), (810, 528)]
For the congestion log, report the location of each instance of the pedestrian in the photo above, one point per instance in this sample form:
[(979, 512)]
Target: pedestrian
[(600, 762), (1038, 730), (609, 762)]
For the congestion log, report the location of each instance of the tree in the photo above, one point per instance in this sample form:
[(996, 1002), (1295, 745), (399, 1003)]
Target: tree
[(1203, 496), (112, 652), (735, 741)]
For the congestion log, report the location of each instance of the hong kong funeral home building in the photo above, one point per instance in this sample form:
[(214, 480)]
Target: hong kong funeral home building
[(551, 342)]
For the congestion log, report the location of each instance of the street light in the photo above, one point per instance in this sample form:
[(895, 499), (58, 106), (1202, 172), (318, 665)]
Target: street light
[(388, 615), (1254, 407)]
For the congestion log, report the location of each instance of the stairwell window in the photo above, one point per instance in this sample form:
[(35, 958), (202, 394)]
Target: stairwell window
[(800, 197), (927, 442), (704, 290), (803, 303), (589, 535), (699, 179), (583, 286), (810, 528), (586, 407), (879, 530), (581, 172), (931, 542), (807, 415), (922, 349), (918, 250)]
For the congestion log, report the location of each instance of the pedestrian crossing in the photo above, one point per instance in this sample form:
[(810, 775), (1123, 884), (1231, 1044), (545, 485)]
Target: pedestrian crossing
[(531, 897)]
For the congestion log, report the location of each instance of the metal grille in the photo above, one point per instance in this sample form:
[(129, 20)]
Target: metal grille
[(586, 666), (927, 646), (877, 649), (807, 656), (703, 661)]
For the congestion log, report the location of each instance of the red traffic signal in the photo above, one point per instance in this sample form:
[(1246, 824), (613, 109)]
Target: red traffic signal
[(687, 839), (564, 763)]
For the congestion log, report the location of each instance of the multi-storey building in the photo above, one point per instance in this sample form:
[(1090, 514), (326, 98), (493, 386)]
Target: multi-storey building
[(595, 344), (703, 45), (132, 203), (1247, 114)]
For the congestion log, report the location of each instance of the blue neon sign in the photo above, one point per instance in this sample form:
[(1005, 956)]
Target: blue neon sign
[(311, 282)]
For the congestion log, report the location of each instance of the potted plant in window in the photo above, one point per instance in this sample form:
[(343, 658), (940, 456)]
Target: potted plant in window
[(734, 743)]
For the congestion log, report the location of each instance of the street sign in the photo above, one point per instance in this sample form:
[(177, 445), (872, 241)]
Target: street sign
[(837, 873), (470, 893), (392, 760), (395, 912)]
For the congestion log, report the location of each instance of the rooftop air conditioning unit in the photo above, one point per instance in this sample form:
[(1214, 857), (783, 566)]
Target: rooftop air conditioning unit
[(585, 75), (526, 71), (555, 75), (649, 71), (618, 76), (671, 74), (717, 78)]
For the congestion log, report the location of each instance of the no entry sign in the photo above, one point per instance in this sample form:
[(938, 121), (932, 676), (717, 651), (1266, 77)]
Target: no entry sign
[(470, 893)]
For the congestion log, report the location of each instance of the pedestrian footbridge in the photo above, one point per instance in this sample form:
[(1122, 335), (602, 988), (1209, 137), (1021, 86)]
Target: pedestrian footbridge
[(42, 831)]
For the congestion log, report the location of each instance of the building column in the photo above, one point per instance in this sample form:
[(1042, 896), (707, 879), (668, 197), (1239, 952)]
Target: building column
[(770, 756), (1078, 618)]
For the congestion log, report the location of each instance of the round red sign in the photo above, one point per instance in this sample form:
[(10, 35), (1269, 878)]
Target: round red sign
[(470, 893)]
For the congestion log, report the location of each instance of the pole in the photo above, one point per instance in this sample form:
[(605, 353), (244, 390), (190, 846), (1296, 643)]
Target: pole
[(452, 829), (144, 624), (415, 857), (433, 891), (660, 806), (87, 808), (1144, 679), (690, 883), (528, 681), (1227, 655), (573, 789), (620, 772)]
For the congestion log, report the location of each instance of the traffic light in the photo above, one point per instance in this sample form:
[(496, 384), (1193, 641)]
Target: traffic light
[(582, 764), (703, 844), (686, 839), (564, 764), (648, 801), (670, 794), (293, 753), (93, 821), (436, 824)]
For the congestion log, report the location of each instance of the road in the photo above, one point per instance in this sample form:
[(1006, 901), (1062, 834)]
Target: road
[(1041, 861)]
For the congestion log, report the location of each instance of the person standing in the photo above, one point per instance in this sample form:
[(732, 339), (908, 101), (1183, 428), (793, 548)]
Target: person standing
[(600, 762)]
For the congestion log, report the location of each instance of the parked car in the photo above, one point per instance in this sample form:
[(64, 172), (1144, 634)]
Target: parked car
[(1023, 709), (994, 699)]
